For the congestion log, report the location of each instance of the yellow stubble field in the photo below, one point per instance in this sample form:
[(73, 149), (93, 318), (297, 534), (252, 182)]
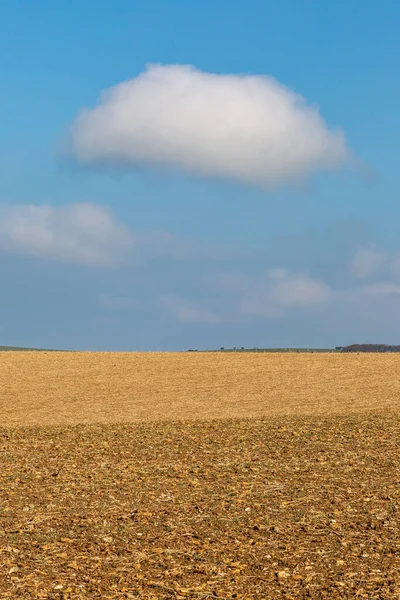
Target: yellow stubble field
[(38, 388)]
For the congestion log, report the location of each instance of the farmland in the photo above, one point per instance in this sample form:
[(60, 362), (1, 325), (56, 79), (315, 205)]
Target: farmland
[(199, 475), (59, 388)]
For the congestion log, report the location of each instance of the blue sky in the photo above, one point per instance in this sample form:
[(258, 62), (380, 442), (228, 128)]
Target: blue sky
[(231, 214)]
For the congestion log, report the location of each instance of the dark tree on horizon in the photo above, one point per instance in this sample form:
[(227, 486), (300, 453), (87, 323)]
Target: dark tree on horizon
[(371, 348)]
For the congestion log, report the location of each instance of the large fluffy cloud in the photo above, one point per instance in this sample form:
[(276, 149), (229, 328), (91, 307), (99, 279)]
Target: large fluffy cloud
[(81, 233), (249, 128)]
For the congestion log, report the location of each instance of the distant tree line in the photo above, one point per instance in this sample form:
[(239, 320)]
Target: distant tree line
[(369, 348), (351, 348)]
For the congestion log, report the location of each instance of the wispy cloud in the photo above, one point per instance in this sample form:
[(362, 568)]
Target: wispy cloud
[(248, 128), (272, 293), (382, 289), (81, 233), (185, 310), (370, 263), (297, 290), (371, 290), (90, 234), (367, 262), (280, 292)]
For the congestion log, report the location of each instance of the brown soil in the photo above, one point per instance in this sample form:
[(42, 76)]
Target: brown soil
[(299, 506)]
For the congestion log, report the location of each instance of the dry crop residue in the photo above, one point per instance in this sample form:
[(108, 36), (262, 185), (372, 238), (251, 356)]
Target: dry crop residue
[(299, 499), (68, 388), (247, 509)]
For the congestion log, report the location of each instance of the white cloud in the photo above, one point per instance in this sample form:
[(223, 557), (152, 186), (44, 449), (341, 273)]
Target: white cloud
[(299, 290), (269, 294), (370, 263), (80, 233), (280, 290), (185, 310), (90, 234), (248, 128)]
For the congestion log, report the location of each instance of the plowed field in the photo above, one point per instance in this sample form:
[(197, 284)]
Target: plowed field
[(171, 476)]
